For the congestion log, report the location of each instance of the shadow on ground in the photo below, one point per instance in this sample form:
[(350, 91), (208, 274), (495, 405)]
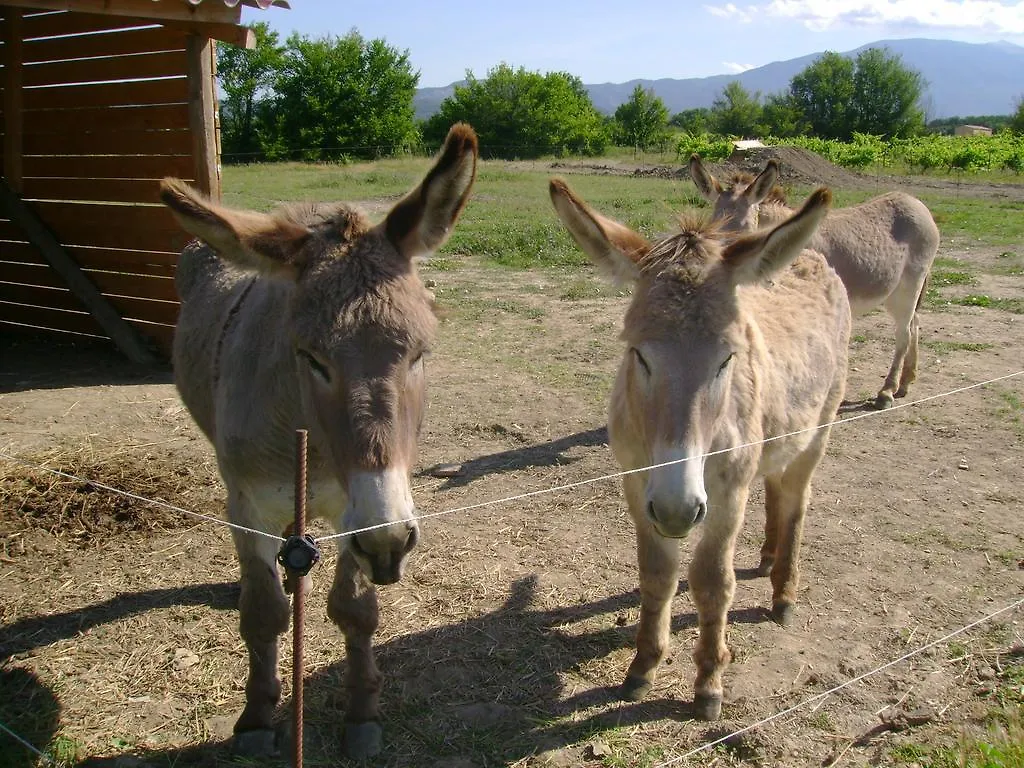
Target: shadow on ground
[(491, 690), (549, 454), (35, 361), (31, 709)]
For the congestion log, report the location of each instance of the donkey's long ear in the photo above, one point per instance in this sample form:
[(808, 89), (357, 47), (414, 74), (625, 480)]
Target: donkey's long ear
[(763, 184), (613, 247), (422, 220), (706, 184), (251, 240), (758, 256)]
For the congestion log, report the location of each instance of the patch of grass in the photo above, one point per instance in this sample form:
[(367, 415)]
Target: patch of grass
[(949, 262), (934, 300), (993, 222), (509, 220), (1016, 306), (944, 277), (1010, 264), (859, 338), (579, 290), (440, 264), (1011, 411), (945, 347)]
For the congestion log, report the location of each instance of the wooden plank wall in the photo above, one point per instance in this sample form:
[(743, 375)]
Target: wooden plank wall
[(105, 117)]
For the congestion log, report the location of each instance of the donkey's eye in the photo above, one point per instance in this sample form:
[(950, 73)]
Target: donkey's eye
[(315, 365), (418, 360), (643, 363), (725, 363)]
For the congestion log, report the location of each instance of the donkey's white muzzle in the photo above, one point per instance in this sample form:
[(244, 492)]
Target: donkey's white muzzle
[(380, 506), (676, 499)]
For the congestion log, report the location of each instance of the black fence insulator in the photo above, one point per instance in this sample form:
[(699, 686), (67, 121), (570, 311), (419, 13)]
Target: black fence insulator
[(299, 554)]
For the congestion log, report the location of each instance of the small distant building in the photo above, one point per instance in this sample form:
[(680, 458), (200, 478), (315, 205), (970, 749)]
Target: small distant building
[(972, 130), (742, 148), (745, 145)]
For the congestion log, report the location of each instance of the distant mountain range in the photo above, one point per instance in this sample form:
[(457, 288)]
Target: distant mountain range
[(963, 79)]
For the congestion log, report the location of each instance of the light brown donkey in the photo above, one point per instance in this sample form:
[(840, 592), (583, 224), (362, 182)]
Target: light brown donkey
[(883, 250), (311, 317), (727, 346)]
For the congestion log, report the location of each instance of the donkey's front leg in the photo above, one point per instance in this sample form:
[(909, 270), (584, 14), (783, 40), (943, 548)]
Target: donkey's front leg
[(263, 613), (712, 582), (352, 605), (658, 558)]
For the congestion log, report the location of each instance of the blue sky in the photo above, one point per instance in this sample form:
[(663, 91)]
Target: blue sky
[(603, 41)]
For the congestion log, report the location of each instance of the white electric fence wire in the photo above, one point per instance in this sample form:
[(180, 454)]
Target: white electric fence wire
[(841, 686), (26, 744), (151, 502), (614, 475)]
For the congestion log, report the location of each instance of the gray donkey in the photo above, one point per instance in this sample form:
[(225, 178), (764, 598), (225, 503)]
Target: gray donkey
[(311, 317)]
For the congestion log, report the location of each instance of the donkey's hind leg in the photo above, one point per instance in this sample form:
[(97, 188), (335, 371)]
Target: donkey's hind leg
[(352, 605), (909, 375), (902, 306), (772, 499), (263, 614)]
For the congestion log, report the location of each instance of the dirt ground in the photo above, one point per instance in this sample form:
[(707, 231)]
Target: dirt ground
[(504, 642)]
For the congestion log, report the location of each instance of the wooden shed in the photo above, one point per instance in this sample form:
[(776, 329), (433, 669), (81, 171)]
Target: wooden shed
[(102, 99)]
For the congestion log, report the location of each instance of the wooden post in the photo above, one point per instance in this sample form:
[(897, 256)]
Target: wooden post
[(202, 108), (13, 116)]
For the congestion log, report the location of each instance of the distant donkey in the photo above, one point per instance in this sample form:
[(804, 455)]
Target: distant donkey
[(311, 317), (883, 250), (727, 346)]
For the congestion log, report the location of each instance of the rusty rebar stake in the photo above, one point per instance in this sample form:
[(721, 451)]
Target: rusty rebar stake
[(299, 595)]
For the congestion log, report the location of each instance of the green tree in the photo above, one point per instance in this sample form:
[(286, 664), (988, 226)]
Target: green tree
[(643, 120), (782, 117), (343, 96), (694, 121), (517, 113), (1017, 119), (885, 96), (246, 76), (736, 112), (822, 93)]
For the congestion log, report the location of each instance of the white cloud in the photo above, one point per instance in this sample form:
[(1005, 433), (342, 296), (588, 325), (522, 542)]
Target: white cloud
[(1005, 18), (735, 68), (730, 11)]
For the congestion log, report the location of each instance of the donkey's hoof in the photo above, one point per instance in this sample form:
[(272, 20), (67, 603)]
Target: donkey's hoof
[(764, 568), (707, 706), (883, 401), (258, 743), (782, 614), (362, 740), (634, 689)]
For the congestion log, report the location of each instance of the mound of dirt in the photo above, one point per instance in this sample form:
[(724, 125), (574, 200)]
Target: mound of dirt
[(797, 167), (80, 512)]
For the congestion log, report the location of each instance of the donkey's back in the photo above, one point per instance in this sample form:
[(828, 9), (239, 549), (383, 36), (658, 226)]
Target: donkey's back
[(880, 248)]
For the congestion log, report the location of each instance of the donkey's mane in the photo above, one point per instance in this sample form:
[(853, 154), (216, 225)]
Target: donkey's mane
[(777, 194), (688, 251), (347, 222)]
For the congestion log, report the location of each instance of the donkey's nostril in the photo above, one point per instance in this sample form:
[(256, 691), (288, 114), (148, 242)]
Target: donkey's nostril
[(702, 510), (412, 538)]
